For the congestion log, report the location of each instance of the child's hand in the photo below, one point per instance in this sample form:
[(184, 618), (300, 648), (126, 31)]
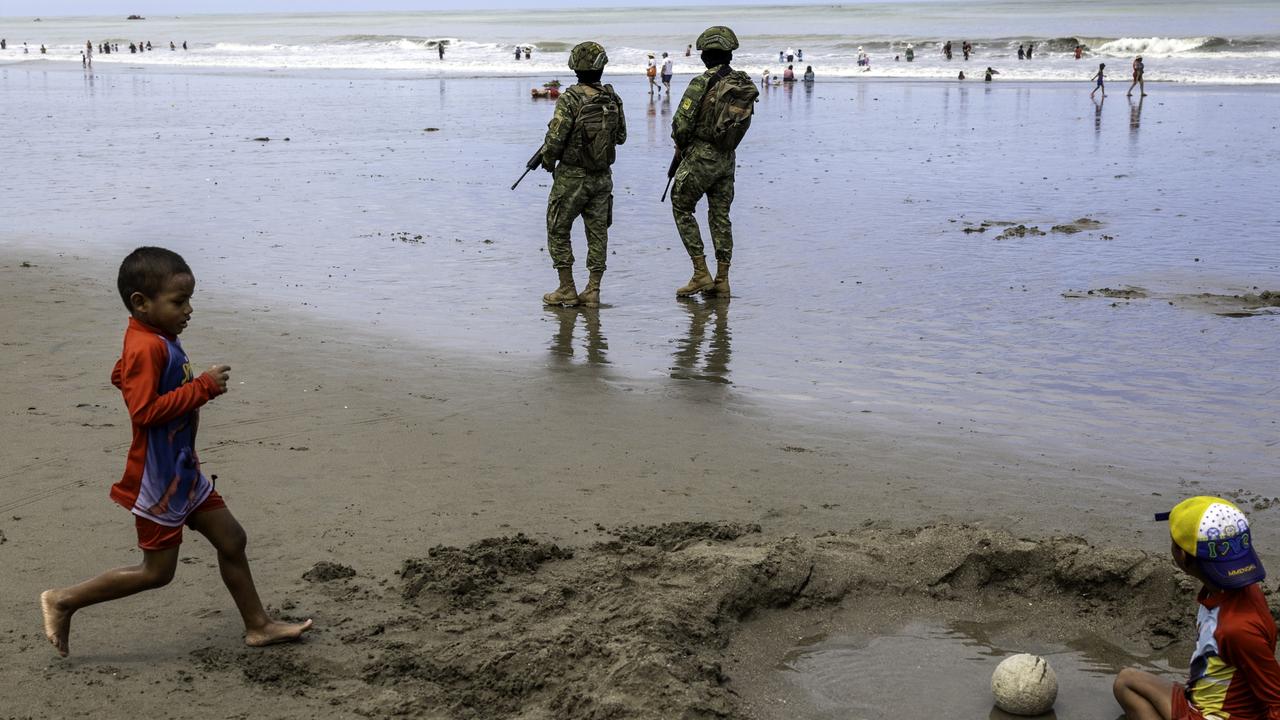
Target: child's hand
[(219, 373)]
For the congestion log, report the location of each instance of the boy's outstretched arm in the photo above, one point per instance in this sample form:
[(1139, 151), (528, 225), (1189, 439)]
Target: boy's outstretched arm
[(137, 374)]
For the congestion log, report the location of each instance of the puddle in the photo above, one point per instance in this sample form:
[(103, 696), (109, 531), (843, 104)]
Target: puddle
[(944, 671)]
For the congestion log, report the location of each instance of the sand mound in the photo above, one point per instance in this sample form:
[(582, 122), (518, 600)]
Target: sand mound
[(637, 627)]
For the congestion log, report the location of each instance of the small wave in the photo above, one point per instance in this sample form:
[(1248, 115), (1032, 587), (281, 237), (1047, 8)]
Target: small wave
[(1154, 45), (551, 46)]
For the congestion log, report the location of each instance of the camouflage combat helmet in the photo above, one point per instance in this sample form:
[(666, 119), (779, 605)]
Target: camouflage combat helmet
[(587, 56), (718, 37)]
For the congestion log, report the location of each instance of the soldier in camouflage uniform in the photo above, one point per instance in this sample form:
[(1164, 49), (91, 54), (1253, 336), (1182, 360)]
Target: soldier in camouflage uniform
[(704, 170), (580, 164)]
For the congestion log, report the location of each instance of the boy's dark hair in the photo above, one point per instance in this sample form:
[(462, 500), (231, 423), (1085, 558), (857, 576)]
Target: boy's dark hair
[(712, 57), (589, 76), (145, 270)]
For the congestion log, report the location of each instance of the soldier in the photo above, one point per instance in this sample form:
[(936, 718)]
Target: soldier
[(581, 136), (713, 115)]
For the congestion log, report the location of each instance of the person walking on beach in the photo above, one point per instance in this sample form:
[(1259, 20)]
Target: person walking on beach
[(713, 117), (88, 52), (579, 149), (1233, 672), (651, 72), (162, 485), (1138, 69), (667, 72), (1101, 78)]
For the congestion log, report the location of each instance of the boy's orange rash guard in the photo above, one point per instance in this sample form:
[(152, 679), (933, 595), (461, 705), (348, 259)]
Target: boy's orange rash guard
[(1234, 673), (137, 373)]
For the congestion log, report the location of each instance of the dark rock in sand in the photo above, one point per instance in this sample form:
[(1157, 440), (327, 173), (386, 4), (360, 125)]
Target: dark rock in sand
[(262, 139), (325, 571), (1020, 231)]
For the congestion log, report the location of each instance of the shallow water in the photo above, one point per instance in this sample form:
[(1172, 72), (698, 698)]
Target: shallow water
[(859, 301), (943, 671)]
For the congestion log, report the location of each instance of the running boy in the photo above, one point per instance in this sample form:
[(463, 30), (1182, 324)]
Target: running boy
[(1101, 78), (162, 483), (1233, 671)]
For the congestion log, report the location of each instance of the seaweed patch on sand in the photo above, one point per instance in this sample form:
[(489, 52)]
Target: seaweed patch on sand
[(638, 626), (1127, 292), (1247, 304)]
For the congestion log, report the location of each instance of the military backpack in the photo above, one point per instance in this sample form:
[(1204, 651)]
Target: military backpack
[(594, 130), (732, 101)]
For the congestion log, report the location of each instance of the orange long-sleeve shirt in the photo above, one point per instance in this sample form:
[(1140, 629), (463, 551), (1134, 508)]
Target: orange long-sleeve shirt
[(162, 480)]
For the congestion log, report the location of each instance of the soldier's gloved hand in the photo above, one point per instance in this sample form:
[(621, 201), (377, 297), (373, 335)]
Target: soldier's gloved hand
[(548, 164)]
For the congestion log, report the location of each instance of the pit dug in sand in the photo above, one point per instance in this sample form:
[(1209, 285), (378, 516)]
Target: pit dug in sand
[(651, 624), (934, 670)]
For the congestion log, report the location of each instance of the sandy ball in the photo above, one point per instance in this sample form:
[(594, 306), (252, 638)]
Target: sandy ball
[(1024, 685)]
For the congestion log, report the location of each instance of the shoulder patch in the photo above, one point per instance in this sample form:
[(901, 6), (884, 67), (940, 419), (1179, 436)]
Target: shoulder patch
[(687, 104)]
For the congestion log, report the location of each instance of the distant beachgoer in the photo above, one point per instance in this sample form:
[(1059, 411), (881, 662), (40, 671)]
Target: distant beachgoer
[(149, 48), (961, 74), (782, 56), (517, 52), (966, 48), (764, 78), (799, 54), (808, 74), (440, 48), (133, 49), (1022, 53), (88, 53), (911, 52), (862, 57), (115, 47), (1101, 78), (990, 72), (184, 44), (791, 55), (43, 51), (788, 75), (4, 44), (897, 58), (946, 49), (1079, 51), (172, 46), (1138, 69), (667, 71), (651, 72), (83, 62), (1031, 48), (528, 52), (688, 51)]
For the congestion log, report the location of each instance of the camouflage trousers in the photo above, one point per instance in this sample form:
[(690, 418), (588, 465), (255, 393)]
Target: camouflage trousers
[(705, 171), (578, 192)]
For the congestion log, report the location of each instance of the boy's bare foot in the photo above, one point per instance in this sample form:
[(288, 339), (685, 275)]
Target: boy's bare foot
[(276, 632), (57, 623)]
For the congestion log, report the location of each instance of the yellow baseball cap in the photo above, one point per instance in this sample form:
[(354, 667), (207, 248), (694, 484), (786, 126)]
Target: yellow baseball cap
[(1216, 533)]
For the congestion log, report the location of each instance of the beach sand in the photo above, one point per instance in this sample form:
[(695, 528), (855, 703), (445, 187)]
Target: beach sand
[(391, 397)]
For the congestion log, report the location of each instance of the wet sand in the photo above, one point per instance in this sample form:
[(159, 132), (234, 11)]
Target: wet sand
[(380, 417)]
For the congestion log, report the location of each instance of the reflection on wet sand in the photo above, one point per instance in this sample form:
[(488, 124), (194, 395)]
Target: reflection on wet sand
[(1135, 117), (693, 361), (594, 346)]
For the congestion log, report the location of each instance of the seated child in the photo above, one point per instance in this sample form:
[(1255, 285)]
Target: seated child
[(1233, 673)]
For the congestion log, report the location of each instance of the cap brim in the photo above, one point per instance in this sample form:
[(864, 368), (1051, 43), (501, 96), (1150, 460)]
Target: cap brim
[(1235, 573)]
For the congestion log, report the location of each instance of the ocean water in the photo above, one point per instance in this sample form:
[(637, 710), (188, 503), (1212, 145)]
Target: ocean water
[(861, 305), (1230, 42)]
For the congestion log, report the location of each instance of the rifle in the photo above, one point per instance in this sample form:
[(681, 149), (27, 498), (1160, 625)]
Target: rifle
[(534, 162), (671, 173)]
